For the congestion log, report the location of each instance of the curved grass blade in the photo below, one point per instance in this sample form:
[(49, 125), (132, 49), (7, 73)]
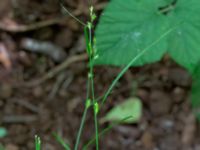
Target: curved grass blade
[(61, 141), (134, 60), (104, 131), (68, 12)]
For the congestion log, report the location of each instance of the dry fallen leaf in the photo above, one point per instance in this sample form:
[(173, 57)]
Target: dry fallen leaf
[(9, 25), (11, 147), (4, 57)]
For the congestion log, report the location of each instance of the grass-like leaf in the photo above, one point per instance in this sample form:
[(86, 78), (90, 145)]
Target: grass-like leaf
[(37, 143), (61, 141)]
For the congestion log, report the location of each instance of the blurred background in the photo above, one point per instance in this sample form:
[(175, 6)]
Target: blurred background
[(43, 71)]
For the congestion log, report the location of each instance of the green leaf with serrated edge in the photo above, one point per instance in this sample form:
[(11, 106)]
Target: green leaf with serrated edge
[(184, 42), (126, 28), (131, 107), (195, 94)]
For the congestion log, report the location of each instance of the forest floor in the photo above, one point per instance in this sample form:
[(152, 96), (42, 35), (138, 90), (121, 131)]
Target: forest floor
[(35, 38)]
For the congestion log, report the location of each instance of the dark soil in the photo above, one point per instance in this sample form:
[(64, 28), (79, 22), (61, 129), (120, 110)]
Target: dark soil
[(56, 105)]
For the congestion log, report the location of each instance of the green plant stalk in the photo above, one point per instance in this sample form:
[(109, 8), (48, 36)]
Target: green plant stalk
[(61, 141), (104, 131), (96, 131), (89, 48), (81, 128), (91, 74), (83, 118), (70, 14), (90, 52), (37, 143), (90, 90), (133, 61)]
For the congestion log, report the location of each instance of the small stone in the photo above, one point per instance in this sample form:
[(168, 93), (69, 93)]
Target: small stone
[(64, 38), (127, 131), (167, 124), (169, 142), (147, 140), (178, 95), (189, 130), (197, 147), (180, 77), (6, 91), (11, 147), (160, 103), (143, 94), (38, 92)]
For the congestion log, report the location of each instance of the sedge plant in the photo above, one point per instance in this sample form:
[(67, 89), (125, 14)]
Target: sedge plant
[(91, 101), (37, 143)]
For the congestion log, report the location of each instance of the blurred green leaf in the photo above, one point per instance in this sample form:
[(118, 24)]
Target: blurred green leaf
[(184, 42), (3, 132), (195, 95), (126, 28), (131, 107), (2, 147)]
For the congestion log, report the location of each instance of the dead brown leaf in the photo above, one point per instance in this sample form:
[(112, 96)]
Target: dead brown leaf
[(4, 57)]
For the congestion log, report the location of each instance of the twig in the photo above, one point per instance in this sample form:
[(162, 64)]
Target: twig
[(18, 28), (49, 49), (59, 81), (100, 6), (27, 105), (19, 119), (56, 70)]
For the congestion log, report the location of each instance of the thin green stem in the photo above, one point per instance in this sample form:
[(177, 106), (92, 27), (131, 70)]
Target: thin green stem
[(78, 20), (93, 101), (90, 40), (88, 88), (96, 131), (104, 131), (61, 141), (167, 9), (81, 128), (91, 74), (37, 143), (83, 117)]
